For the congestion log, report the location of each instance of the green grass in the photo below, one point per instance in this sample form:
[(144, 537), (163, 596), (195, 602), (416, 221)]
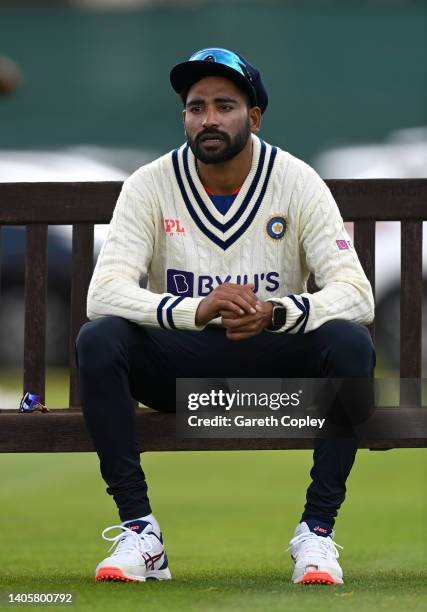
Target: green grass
[(227, 520)]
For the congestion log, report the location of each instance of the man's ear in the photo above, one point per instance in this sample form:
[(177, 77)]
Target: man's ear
[(255, 119)]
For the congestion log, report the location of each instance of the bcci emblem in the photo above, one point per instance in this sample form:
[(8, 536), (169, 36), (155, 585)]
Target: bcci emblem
[(276, 227)]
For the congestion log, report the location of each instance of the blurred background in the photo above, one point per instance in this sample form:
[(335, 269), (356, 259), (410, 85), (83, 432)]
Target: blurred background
[(85, 95)]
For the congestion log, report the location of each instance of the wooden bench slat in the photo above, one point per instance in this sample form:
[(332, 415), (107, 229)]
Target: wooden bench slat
[(83, 202), (0, 259), (65, 431), (411, 298), (93, 202), (380, 199), (35, 309), (364, 243), (81, 272)]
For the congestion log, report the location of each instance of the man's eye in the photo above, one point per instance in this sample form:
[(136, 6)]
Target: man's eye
[(226, 107), (195, 109)]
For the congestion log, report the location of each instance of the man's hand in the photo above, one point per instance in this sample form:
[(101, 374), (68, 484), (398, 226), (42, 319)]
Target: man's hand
[(239, 327), (237, 300)]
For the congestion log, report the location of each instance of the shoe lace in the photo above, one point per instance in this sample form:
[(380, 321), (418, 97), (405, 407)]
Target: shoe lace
[(127, 540), (310, 543)]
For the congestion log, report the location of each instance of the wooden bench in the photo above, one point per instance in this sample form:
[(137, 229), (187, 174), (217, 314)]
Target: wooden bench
[(37, 205)]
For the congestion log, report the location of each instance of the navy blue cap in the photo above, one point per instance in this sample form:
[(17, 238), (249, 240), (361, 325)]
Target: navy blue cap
[(215, 61)]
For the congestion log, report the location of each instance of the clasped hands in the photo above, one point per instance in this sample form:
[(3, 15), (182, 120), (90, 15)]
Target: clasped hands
[(243, 314)]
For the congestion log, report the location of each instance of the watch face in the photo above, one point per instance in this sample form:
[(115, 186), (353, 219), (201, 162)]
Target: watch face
[(279, 316)]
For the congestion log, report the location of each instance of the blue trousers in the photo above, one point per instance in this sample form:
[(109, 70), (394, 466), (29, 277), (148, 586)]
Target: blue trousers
[(119, 362)]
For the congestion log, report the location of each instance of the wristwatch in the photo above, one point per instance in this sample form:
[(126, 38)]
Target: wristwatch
[(278, 317)]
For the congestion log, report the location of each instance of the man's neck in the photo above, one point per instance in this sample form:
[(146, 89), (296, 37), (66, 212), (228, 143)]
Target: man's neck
[(225, 178)]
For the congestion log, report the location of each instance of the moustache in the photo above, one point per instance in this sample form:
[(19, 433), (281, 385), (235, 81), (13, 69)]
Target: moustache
[(212, 135)]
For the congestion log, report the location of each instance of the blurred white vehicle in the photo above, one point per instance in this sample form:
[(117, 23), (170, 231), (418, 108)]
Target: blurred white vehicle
[(84, 163), (75, 164), (403, 155)]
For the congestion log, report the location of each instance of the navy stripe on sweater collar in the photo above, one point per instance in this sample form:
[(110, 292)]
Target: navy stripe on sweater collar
[(201, 214), (246, 201)]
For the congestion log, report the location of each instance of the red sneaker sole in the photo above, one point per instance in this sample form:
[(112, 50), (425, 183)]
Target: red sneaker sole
[(113, 573), (317, 578)]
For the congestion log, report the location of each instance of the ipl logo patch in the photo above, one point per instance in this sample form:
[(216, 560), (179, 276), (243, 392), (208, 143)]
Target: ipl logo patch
[(276, 227)]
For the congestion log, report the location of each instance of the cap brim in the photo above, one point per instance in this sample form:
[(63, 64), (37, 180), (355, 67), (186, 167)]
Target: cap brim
[(184, 75)]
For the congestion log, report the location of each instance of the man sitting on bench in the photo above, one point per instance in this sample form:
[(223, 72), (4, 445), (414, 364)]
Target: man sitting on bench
[(228, 229)]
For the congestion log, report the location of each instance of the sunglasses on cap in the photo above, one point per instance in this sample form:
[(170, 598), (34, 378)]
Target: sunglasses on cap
[(222, 56)]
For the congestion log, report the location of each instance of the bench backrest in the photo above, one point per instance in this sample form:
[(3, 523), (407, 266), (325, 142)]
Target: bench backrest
[(37, 205)]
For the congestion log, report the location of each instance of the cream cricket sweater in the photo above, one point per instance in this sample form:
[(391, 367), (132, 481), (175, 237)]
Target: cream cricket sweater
[(283, 224)]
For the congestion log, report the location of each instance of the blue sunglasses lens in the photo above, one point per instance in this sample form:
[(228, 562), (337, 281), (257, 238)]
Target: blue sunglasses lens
[(222, 56), (31, 403)]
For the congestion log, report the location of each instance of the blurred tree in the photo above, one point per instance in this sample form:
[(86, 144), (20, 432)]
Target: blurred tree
[(10, 76)]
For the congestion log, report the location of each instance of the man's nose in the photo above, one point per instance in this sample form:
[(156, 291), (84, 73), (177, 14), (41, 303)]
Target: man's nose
[(210, 118)]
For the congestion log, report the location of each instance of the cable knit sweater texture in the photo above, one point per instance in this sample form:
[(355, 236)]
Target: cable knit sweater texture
[(283, 225)]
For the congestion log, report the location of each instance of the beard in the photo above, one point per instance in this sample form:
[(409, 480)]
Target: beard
[(229, 149)]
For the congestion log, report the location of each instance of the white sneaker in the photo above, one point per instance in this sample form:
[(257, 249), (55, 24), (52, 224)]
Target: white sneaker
[(315, 558), (139, 554)]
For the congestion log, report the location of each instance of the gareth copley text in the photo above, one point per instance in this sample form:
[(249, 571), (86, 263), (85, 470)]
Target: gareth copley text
[(244, 421)]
